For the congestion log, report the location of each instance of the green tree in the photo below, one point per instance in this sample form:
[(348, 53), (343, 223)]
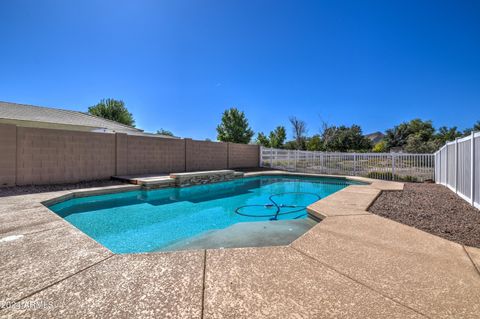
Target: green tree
[(446, 134), (277, 137), (315, 143), (164, 132), (290, 145), (345, 139), (476, 128), (263, 140), (400, 134), (416, 144), (113, 110), (234, 127)]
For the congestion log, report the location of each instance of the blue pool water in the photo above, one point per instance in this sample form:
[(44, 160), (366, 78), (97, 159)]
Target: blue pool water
[(143, 221)]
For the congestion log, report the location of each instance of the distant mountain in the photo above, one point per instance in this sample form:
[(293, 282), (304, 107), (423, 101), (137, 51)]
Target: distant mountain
[(375, 137)]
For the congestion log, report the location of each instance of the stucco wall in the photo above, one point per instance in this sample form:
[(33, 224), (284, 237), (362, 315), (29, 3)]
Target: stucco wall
[(49, 156)]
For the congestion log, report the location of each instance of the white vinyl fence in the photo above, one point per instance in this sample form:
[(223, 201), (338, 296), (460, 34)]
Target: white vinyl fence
[(457, 166), (389, 166)]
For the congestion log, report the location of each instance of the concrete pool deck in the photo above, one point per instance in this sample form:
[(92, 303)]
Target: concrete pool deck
[(353, 264)]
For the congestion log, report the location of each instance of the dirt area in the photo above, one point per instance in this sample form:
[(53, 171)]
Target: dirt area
[(32, 189), (434, 209)]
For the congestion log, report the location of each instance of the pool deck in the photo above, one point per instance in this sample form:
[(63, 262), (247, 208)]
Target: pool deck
[(353, 264)]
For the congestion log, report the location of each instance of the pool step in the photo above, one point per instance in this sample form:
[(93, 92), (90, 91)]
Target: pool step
[(152, 181), (149, 181), (247, 234)]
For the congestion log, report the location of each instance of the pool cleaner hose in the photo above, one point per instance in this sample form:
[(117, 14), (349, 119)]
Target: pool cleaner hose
[(278, 207)]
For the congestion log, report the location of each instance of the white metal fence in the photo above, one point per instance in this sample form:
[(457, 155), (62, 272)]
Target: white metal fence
[(457, 166), (389, 166)]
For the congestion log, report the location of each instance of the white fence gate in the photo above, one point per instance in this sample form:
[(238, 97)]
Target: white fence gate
[(457, 166), (389, 166)]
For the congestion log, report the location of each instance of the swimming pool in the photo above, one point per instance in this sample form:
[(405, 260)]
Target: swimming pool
[(145, 221)]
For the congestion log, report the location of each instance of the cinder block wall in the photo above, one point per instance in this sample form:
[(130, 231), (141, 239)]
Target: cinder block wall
[(204, 155), (147, 155), (48, 156), (8, 154), (121, 154), (242, 155)]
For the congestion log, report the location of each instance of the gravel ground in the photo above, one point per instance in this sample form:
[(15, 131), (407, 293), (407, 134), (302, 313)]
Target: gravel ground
[(434, 209), (21, 190)]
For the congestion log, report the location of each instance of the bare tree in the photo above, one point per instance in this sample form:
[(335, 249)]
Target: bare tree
[(326, 131), (299, 130)]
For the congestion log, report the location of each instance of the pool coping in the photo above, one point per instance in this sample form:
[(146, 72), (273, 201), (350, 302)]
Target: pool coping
[(200, 297), (94, 191)]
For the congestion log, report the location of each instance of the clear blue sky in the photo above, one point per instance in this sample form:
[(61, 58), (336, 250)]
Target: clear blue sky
[(179, 64)]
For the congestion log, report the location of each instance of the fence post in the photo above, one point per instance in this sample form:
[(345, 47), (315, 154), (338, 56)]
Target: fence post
[(456, 165), (354, 164), (472, 169), (276, 156), (260, 156), (442, 166), (314, 161), (446, 165), (393, 166), (271, 157), (439, 163), (296, 155), (324, 162), (321, 162), (288, 160)]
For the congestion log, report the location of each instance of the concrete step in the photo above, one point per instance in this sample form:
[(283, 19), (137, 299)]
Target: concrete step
[(148, 181), (180, 179)]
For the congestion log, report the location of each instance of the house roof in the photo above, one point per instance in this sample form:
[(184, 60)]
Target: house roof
[(31, 113)]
